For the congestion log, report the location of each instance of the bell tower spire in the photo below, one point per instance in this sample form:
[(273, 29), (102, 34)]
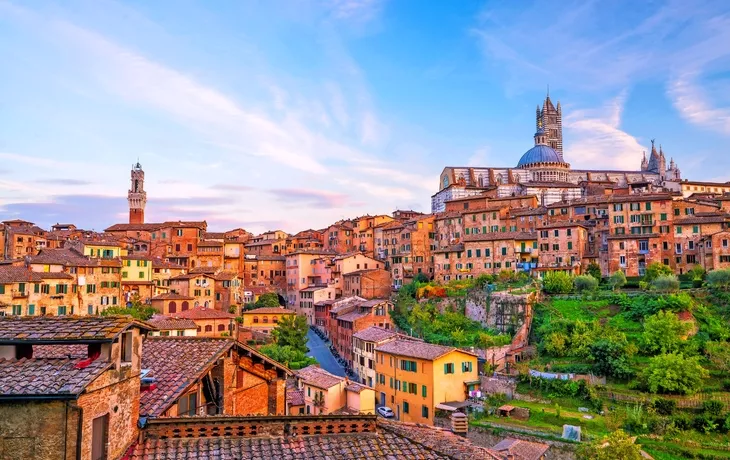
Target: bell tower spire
[(136, 196)]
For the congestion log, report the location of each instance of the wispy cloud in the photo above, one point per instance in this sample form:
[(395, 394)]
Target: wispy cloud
[(295, 197), (693, 104), (598, 140), (61, 181), (232, 187), (361, 10)]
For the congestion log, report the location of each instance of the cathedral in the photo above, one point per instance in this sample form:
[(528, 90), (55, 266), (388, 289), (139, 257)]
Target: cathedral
[(542, 171)]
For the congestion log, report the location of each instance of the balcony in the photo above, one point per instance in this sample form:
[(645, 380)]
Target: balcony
[(524, 250), (19, 294)]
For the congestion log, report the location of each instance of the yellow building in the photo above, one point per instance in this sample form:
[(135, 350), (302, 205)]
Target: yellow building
[(412, 378), (526, 250), (101, 249), (264, 319), (326, 393), (137, 277)]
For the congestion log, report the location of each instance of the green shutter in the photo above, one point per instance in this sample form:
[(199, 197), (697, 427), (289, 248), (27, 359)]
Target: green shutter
[(424, 391), (36, 288)]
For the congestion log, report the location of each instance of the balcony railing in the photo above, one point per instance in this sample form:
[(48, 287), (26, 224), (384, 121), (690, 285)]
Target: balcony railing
[(19, 294)]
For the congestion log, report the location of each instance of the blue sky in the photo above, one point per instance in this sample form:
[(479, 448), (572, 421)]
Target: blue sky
[(293, 114)]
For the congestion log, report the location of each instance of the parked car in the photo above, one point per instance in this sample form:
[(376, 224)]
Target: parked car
[(386, 412)]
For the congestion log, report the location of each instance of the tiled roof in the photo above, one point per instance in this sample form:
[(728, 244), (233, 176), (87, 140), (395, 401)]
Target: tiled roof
[(522, 450), (318, 377), (210, 244), (459, 247), (64, 256), (702, 220), (389, 440), (501, 236), (176, 363), (352, 316), (214, 235), (355, 387), (270, 257), (270, 311), (158, 262), (79, 350), (204, 270), (133, 227), (225, 276), (204, 313), (413, 349), (295, 397), (164, 323), (36, 377), (60, 329), (14, 274), (517, 212), (171, 296), (374, 334), (562, 225)]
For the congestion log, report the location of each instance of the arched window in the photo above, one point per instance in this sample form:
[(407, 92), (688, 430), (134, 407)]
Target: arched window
[(207, 303), (221, 328), (209, 328), (172, 307), (196, 304), (274, 319), (255, 319), (199, 329), (266, 319), (185, 305)]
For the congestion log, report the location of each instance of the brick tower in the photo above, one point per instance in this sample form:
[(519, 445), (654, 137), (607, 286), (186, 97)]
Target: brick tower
[(551, 119), (136, 196)]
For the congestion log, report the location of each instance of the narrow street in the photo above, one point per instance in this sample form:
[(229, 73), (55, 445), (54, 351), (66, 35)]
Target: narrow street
[(319, 350)]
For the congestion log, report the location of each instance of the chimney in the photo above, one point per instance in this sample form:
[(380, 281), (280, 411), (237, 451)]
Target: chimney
[(459, 423)]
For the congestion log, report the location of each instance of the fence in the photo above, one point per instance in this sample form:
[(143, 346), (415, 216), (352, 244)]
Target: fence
[(684, 402)]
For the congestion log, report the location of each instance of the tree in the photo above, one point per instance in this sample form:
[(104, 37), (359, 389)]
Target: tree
[(594, 270), (269, 299), (318, 401), (557, 283), (665, 283), (617, 280), (585, 283), (655, 270), (135, 308), (697, 273), (674, 373), (420, 278), (291, 358), (611, 356), (719, 355), (616, 446), (719, 279), (556, 344), (292, 331), (664, 332)]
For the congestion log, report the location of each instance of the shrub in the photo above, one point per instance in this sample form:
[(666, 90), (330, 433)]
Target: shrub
[(655, 270), (719, 279), (663, 332), (726, 385), (594, 270), (617, 445), (682, 421), (713, 408), (617, 280), (557, 283), (665, 283), (664, 406), (585, 283), (674, 373)]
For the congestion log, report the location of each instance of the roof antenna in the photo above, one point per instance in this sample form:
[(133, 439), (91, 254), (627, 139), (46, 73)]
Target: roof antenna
[(548, 90)]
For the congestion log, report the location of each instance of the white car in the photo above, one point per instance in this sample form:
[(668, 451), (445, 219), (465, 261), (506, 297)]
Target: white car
[(386, 412)]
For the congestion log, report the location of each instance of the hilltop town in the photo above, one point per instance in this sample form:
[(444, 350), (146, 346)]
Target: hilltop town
[(536, 311)]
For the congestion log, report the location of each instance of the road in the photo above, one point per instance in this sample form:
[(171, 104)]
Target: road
[(319, 350)]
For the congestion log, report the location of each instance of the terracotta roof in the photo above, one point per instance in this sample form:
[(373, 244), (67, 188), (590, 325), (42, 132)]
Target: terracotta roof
[(225, 276), (79, 350), (413, 349), (270, 311), (157, 262), (562, 225), (164, 323), (501, 236), (204, 270), (210, 244), (355, 387), (176, 363), (352, 316), (702, 220), (384, 440), (318, 377), (214, 235), (203, 313), (60, 329), (295, 397), (362, 272), (133, 227), (459, 247), (268, 257), (517, 212), (375, 334), (64, 256), (522, 450), (36, 377), (14, 274), (171, 296)]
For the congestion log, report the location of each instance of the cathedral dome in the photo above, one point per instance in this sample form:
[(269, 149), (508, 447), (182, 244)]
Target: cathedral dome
[(539, 154)]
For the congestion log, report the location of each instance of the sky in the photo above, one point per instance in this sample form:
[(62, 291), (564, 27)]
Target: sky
[(292, 114)]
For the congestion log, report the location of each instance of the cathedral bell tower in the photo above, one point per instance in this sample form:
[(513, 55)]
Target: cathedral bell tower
[(136, 196), (550, 118)]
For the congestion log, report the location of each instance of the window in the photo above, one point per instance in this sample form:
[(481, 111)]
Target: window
[(663, 216), (31, 309), (179, 232), (17, 310), (679, 229), (556, 233), (466, 366), (61, 310), (648, 206), (90, 310), (187, 404), (570, 245), (221, 328), (409, 366), (424, 411), (504, 251), (695, 229), (99, 437), (424, 391), (209, 328), (618, 207), (622, 261), (127, 347), (141, 274), (449, 368)]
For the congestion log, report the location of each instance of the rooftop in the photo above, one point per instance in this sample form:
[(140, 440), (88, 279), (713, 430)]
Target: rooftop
[(65, 329), (501, 236), (204, 313), (413, 349), (270, 311), (318, 377), (14, 274), (375, 334), (522, 450), (46, 377), (176, 363), (164, 323), (301, 437)]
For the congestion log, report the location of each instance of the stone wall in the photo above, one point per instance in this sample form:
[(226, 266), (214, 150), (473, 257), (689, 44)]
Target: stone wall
[(38, 429), (499, 310)]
